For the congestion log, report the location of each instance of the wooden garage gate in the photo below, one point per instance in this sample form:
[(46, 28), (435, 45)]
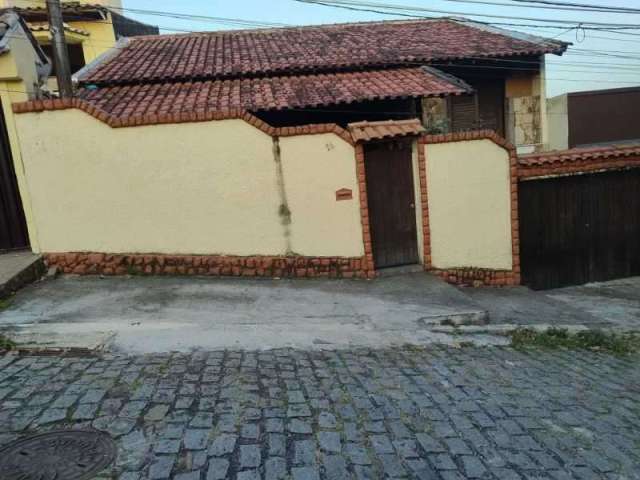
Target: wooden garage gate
[(580, 228)]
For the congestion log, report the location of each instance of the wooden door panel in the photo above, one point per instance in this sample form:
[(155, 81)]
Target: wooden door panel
[(391, 198)]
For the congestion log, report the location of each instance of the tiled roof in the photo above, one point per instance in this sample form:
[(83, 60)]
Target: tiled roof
[(272, 93), (365, 131), (578, 154), (75, 10), (44, 27), (220, 54)]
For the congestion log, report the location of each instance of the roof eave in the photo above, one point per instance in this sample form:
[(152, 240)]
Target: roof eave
[(85, 71)]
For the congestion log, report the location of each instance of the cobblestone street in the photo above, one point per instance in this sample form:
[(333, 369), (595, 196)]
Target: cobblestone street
[(436, 413)]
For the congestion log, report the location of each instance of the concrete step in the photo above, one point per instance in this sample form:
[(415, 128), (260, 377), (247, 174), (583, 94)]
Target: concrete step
[(18, 269)]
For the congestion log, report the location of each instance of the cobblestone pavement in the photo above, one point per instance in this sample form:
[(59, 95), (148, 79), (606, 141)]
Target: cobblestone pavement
[(437, 413)]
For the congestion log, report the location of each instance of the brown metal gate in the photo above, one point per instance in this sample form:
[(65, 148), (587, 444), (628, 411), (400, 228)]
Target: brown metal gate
[(391, 199), (13, 228), (580, 228)]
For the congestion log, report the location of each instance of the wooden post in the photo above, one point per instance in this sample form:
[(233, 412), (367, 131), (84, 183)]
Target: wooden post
[(60, 52)]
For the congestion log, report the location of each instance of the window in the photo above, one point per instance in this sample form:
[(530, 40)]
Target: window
[(76, 56)]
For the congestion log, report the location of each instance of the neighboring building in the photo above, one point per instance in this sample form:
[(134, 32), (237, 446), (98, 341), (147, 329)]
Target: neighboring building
[(91, 28), (24, 68), (26, 73), (595, 117)]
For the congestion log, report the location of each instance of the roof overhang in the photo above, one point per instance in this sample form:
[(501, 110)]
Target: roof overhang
[(368, 131), (71, 34), (273, 93), (71, 12)]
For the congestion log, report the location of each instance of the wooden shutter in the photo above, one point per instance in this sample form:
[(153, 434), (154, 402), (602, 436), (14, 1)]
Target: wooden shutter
[(463, 113)]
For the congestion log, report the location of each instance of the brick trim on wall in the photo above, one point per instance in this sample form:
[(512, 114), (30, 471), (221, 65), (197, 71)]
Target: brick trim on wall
[(364, 211), (472, 276), (35, 106), (424, 205), (83, 263)]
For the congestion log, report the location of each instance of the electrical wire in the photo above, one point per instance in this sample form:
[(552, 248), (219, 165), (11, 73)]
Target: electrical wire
[(619, 69), (580, 5), (560, 7), (404, 9)]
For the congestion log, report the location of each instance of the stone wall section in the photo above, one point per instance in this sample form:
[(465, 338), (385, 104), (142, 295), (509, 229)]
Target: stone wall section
[(83, 263)]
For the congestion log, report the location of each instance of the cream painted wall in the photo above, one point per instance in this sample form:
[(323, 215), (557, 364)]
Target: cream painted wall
[(191, 188), (314, 167), (558, 116), (469, 205)]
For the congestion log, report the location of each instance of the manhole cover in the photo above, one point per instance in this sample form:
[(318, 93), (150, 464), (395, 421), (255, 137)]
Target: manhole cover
[(68, 455)]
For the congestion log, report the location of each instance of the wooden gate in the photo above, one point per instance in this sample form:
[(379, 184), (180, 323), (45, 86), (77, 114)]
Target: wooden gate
[(13, 228), (391, 197), (580, 228)]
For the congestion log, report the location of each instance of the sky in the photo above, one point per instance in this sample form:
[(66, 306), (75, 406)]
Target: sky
[(615, 64)]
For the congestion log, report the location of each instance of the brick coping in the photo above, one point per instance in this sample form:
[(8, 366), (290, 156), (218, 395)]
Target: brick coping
[(576, 154), (36, 106), (578, 161), (93, 263)]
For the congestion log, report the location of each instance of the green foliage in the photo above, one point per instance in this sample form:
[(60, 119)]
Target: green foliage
[(6, 343), (618, 343)]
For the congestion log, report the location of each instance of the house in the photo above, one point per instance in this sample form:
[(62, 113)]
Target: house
[(571, 118), (331, 151), (377, 69), (91, 28)]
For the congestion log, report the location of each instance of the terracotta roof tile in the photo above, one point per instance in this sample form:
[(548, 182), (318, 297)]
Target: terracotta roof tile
[(279, 51), (365, 131), (272, 93), (579, 154), (44, 27)]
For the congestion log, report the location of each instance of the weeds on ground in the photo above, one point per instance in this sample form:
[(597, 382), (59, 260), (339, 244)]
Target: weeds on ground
[(6, 343), (617, 343)]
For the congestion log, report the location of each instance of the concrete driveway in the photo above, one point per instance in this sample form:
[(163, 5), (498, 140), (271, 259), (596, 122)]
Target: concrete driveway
[(160, 314), (610, 305), (157, 314)]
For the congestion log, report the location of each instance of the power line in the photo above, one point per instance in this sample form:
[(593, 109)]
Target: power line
[(553, 6), (580, 5), (460, 19), (186, 16), (360, 3)]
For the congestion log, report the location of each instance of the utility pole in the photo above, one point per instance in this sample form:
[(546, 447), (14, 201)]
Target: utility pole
[(60, 52)]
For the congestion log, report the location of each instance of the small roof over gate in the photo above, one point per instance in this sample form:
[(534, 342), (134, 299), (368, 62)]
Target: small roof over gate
[(365, 131)]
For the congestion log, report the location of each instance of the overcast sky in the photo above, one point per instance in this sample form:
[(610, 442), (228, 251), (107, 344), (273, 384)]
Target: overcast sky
[(580, 69)]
